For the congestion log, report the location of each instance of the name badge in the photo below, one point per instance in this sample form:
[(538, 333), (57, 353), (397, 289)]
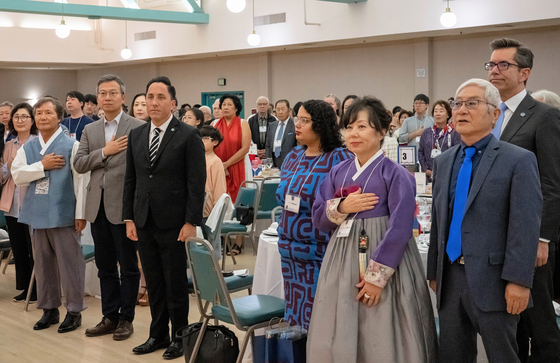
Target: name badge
[(292, 203), (262, 128), (435, 152), (277, 143), (417, 139), (344, 229), (253, 149), (42, 186)]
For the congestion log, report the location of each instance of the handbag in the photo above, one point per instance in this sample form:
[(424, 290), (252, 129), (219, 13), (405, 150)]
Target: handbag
[(285, 344), (245, 214), (219, 344)]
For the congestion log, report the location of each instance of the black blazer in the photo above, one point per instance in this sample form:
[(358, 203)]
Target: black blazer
[(173, 188), (536, 127), (499, 233), (288, 141), (253, 121)]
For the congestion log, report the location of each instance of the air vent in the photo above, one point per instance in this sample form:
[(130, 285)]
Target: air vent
[(145, 35), (270, 19)]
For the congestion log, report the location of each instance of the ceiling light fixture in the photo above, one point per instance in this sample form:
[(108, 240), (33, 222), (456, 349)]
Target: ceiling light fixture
[(62, 30), (126, 53), (236, 6), (253, 39), (130, 4), (448, 19)]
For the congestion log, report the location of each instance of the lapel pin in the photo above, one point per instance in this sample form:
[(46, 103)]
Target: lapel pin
[(172, 129), (522, 114)]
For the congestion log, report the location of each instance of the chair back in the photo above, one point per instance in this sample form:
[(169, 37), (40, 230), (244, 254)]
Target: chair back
[(214, 237), (268, 197), (207, 278), (247, 196), (2, 220)]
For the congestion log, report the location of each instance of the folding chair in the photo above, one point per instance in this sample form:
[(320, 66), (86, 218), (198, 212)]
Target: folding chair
[(247, 313)]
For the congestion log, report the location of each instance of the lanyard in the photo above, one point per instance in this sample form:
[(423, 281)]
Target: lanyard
[(305, 181), (70, 124), (435, 139)]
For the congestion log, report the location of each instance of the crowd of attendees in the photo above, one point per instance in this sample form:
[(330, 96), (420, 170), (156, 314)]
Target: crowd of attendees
[(144, 174)]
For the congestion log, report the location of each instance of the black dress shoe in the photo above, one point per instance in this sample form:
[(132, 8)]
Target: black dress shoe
[(50, 316), (71, 322), (175, 350), (151, 345)]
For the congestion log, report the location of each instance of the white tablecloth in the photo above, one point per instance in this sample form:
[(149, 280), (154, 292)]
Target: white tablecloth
[(268, 270)]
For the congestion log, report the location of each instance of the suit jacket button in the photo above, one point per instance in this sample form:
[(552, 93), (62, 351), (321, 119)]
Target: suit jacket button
[(147, 193), (151, 176)]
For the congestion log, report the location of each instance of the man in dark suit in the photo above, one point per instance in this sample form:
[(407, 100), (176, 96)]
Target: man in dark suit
[(259, 125), (102, 152), (536, 127), (485, 224), (162, 205), (281, 134)]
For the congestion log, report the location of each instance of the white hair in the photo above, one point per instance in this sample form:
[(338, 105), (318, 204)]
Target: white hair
[(208, 109), (491, 93), (548, 97), (266, 98)]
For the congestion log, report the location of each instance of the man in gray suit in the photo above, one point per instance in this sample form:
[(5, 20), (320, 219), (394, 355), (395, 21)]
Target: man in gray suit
[(486, 215), (281, 134), (103, 152)]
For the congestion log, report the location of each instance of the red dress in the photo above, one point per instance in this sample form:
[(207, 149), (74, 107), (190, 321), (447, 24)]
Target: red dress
[(233, 138)]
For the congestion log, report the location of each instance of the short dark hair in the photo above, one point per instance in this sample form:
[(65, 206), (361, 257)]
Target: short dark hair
[(396, 109), (59, 109), (132, 104), (523, 55), (236, 102), (196, 105), (22, 106), (341, 111), (90, 98), (445, 105), (284, 101), (165, 81), (422, 97), (213, 133), (403, 112), (378, 117), (324, 124), (78, 95), (296, 108), (185, 105), (199, 115)]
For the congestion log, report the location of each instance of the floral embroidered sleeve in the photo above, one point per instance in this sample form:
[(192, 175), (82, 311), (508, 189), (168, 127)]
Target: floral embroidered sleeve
[(332, 211), (378, 274)]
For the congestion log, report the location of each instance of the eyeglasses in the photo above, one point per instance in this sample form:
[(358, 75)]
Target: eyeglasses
[(419, 103), (302, 120), (207, 138), (470, 104), (502, 66), (22, 118), (104, 94)]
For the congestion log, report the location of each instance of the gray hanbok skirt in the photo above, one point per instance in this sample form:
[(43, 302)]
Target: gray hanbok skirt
[(400, 329)]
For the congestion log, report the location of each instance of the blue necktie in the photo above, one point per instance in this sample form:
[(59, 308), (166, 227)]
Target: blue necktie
[(461, 194), (497, 131), (278, 148)]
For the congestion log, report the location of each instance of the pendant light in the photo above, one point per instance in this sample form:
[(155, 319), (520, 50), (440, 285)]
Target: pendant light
[(236, 6), (126, 53), (253, 39), (62, 30), (448, 19)]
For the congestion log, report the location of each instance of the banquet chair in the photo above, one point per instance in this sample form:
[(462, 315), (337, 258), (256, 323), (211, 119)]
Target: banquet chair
[(89, 255), (267, 200), (247, 313), (274, 212), (246, 196), (5, 245)]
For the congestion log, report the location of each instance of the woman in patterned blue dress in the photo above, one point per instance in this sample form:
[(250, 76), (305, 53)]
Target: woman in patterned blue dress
[(302, 246)]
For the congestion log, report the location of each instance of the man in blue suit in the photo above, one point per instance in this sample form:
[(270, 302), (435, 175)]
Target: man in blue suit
[(486, 216)]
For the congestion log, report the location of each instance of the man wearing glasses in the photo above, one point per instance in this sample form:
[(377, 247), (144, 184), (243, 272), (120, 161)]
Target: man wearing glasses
[(103, 152), (536, 127), (259, 125), (414, 126)]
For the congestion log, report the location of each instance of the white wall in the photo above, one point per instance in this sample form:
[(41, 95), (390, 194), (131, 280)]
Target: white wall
[(23, 85)]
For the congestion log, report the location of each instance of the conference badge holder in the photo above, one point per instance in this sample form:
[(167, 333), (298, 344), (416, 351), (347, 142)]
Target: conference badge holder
[(344, 229), (292, 203)]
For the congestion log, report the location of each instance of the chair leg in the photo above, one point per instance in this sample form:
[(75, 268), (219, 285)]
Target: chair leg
[(7, 262), (224, 254), (254, 243), (199, 340), (248, 335), (229, 246), (206, 304), (250, 291), (29, 289)]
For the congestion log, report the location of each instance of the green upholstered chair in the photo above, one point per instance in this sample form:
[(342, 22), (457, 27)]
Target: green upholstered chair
[(247, 313), (267, 201)]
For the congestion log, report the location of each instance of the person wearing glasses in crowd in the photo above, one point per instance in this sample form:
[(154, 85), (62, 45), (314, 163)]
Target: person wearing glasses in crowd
[(22, 126), (259, 123), (536, 127), (438, 138), (301, 245), (77, 120), (372, 304), (192, 116), (414, 126)]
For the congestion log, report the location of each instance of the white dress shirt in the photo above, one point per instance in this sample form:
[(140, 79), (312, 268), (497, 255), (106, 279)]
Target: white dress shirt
[(285, 123), (24, 174), (111, 129), (512, 105)]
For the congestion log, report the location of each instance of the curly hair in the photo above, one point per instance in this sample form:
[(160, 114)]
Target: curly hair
[(378, 117), (324, 124)]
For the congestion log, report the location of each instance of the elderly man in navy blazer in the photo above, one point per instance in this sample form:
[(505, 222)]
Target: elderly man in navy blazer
[(486, 217)]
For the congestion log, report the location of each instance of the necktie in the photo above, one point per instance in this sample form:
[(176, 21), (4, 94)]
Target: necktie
[(497, 131), (461, 193), (154, 146), (278, 146)]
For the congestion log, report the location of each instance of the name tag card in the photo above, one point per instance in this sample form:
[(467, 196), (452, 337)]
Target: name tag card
[(420, 183), (277, 143), (435, 152), (253, 149), (262, 128), (344, 229), (292, 203)]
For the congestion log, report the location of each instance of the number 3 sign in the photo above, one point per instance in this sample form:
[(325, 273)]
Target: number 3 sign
[(407, 155)]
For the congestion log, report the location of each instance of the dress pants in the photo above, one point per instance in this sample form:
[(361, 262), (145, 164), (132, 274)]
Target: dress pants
[(59, 258), (164, 262), (114, 249), (20, 240), (460, 320), (539, 322)]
